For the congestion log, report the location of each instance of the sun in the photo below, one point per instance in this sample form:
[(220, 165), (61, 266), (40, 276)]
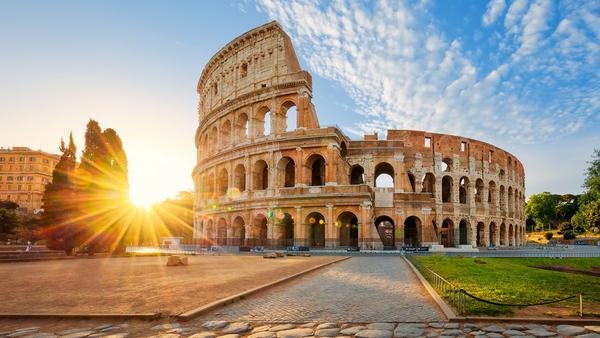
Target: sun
[(142, 199)]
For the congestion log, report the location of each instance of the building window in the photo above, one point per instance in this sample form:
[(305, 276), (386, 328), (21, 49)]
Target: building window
[(22, 159), (11, 159), (19, 178), (1, 159), (463, 146), (46, 161), (19, 187), (427, 142), (490, 154), (30, 178), (9, 178), (244, 70), (32, 159)]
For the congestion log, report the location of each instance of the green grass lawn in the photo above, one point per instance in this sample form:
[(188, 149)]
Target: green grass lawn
[(511, 280)]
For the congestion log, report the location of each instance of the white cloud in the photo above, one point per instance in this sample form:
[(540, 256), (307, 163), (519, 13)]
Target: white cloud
[(402, 72), (494, 9)]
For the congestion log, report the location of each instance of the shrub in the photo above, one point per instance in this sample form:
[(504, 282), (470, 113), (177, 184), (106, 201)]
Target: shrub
[(548, 235), (569, 235)]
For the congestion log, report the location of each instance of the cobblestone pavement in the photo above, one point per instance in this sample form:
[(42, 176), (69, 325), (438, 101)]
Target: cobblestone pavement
[(361, 289), (224, 329)]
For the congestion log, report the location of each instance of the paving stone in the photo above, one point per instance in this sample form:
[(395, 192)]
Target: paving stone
[(494, 335), (478, 333), (215, 324), (351, 331), (588, 335), (231, 335), (203, 334), (452, 332), (21, 333), (432, 334), (537, 326), (295, 333), (80, 334), (381, 326), (103, 327), (594, 328), (407, 330), (282, 327), (263, 334), (327, 326), (569, 330), (437, 325), (166, 335), (480, 336), (116, 335), (31, 328), (515, 327), (541, 332), (238, 327), (331, 332), (470, 326), (261, 329), (165, 326), (513, 333), (492, 328), (451, 326), (40, 335), (374, 333)]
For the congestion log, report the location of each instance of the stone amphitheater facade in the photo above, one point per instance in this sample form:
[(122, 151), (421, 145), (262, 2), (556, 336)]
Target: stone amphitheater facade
[(268, 174)]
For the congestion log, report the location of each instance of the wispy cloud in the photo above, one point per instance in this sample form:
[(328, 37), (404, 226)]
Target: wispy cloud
[(402, 71)]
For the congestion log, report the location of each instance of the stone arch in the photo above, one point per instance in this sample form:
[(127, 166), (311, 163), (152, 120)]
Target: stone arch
[(286, 224), (511, 238), (316, 165), (386, 228), (510, 208), (429, 183), (259, 230), (480, 233), (222, 182), (289, 111), (502, 200), (226, 133), (357, 174), (347, 223), (463, 232), (503, 234), (446, 165), (213, 139), (412, 231), (242, 127), (315, 222), (447, 233), (221, 235), (492, 193), (412, 182), (239, 178), (261, 175), (286, 172), (238, 235), (262, 122), (463, 189), (447, 189), (384, 175), (493, 234), (479, 191)]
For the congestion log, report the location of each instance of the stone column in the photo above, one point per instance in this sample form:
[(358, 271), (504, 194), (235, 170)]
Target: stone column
[(299, 228), (300, 168), (330, 166), (330, 236)]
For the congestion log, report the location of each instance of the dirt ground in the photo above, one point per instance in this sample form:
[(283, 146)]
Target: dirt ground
[(136, 284)]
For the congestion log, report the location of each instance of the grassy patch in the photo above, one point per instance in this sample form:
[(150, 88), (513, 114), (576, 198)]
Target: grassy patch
[(512, 280)]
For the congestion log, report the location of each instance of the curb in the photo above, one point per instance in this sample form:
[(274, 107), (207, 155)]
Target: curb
[(231, 299), (143, 316), (446, 309)]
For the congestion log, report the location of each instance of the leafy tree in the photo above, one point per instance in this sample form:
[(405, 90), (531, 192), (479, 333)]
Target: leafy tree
[(588, 216), (8, 220), (592, 176), (10, 205), (542, 208)]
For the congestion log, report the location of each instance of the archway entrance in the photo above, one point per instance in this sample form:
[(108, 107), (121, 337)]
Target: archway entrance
[(412, 226), (493, 234), (316, 228), (347, 223), (480, 234), (239, 232), (286, 226), (463, 229), (446, 233), (386, 228), (259, 231)]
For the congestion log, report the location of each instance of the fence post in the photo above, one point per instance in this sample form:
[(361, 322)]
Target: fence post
[(581, 305)]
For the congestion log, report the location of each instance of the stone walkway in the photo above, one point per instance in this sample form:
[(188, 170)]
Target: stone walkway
[(358, 290)]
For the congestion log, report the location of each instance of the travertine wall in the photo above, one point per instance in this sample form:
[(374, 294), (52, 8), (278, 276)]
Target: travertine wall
[(294, 183)]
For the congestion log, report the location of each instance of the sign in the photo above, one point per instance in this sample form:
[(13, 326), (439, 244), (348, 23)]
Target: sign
[(415, 248), (426, 211)]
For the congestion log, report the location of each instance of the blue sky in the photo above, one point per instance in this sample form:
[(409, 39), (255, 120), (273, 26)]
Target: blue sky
[(524, 75)]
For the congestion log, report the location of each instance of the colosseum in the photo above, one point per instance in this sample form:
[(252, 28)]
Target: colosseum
[(268, 174)]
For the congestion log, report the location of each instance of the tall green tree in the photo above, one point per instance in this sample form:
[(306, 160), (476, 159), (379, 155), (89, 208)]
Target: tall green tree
[(542, 208), (588, 215), (9, 220), (59, 217)]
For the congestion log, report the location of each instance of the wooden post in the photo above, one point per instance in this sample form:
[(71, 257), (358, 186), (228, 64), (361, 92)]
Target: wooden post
[(581, 305)]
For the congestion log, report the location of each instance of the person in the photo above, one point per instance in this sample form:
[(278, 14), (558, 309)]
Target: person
[(28, 248)]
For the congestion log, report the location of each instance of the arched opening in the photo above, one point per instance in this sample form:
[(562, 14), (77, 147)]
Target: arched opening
[(316, 229), (286, 226), (239, 232), (242, 127), (503, 234), (384, 175), (411, 181), (492, 193), (462, 190), (446, 233), (447, 189), (261, 175), (226, 133), (357, 175), (316, 164), (446, 165), (210, 186), (286, 171), (222, 182), (212, 140), (291, 115), (387, 232), (429, 183), (502, 200), (262, 122), (511, 239), (221, 238), (239, 178), (479, 190), (210, 232), (480, 234), (493, 234), (501, 174), (343, 150), (259, 231), (244, 70), (510, 202), (412, 231), (347, 224), (463, 232)]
